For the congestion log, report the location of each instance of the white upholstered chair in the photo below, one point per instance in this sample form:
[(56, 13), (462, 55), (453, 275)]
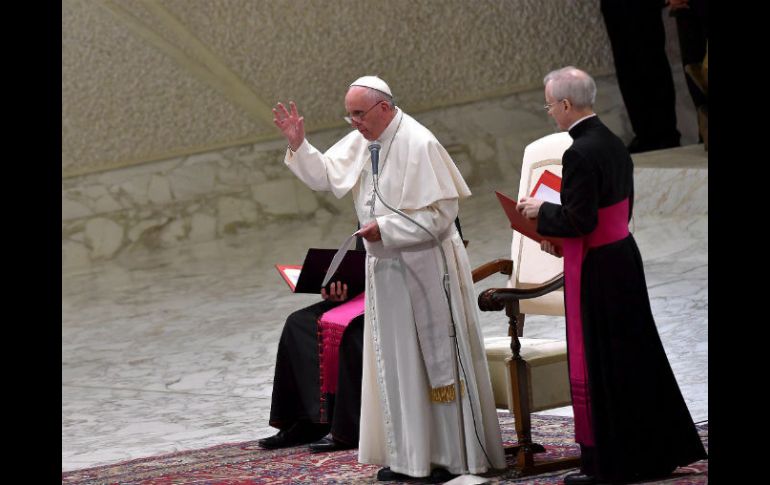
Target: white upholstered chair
[(529, 374)]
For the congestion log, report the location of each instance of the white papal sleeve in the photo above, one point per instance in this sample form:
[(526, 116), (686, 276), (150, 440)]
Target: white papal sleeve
[(308, 164)]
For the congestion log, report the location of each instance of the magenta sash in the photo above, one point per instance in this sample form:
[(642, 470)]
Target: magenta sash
[(612, 226), (331, 326)]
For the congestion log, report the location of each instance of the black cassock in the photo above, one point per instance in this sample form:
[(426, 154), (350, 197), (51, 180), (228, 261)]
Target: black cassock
[(297, 392), (639, 420)]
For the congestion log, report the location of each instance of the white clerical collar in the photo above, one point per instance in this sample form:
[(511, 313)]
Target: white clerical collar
[(581, 119), (387, 134)]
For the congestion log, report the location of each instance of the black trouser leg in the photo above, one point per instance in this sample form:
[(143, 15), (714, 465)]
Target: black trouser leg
[(588, 462), (347, 403), (637, 35)]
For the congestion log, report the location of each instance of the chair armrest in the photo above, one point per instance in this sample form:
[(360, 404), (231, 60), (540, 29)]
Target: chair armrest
[(504, 266), (494, 299)]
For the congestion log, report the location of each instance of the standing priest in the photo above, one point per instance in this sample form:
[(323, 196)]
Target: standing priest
[(630, 418), (409, 419)]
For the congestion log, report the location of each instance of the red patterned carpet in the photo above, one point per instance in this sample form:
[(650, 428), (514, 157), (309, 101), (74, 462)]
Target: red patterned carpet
[(246, 463)]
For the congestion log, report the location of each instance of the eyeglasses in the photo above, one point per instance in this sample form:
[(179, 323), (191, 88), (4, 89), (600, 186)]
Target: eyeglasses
[(547, 107), (358, 115)]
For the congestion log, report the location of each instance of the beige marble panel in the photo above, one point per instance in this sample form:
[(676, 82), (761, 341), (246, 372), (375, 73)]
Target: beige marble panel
[(671, 181)]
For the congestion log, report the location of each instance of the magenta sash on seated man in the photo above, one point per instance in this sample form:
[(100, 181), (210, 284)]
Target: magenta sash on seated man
[(612, 227), (331, 326)]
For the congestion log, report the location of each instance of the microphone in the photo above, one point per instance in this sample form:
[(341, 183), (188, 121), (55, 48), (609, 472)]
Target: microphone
[(374, 148)]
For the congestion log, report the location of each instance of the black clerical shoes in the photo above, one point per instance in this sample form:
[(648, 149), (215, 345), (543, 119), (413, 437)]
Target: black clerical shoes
[(637, 145), (388, 475), (327, 443), (279, 440), (579, 479), (437, 475), (440, 475), (297, 434)]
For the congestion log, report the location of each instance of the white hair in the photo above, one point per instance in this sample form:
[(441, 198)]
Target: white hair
[(375, 96), (573, 84)]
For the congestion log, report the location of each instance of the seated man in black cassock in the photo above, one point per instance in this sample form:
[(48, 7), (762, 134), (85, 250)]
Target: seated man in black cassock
[(300, 409)]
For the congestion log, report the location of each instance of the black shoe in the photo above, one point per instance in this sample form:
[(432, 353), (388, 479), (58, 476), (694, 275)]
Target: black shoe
[(440, 475), (279, 440), (579, 479), (635, 146), (328, 443), (638, 145), (388, 475), (296, 434)]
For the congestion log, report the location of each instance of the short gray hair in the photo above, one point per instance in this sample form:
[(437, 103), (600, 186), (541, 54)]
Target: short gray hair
[(573, 84)]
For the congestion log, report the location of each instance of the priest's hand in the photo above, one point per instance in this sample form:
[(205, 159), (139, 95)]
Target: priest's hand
[(529, 207), (370, 232), (291, 124), (549, 248), (337, 292)]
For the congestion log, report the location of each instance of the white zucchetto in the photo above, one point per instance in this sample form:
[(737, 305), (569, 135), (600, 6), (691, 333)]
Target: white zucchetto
[(373, 82)]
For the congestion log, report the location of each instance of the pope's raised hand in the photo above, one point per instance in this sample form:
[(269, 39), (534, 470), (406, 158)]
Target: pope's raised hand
[(291, 124)]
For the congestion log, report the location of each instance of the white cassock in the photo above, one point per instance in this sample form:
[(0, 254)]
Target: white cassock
[(408, 415)]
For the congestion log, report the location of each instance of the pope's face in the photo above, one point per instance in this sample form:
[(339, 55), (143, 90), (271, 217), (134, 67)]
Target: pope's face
[(369, 119)]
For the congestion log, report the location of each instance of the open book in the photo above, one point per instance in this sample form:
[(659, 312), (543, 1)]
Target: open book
[(309, 277), (547, 189)]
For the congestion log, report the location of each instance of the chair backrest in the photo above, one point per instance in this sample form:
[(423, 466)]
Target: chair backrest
[(531, 265)]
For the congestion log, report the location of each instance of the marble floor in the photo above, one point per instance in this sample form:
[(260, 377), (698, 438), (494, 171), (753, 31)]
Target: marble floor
[(174, 350)]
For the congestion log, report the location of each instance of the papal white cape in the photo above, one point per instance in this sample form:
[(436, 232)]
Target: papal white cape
[(401, 425)]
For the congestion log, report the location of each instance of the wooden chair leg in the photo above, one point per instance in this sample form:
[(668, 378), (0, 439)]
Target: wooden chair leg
[(526, 449), (521, 413), (520, 387)]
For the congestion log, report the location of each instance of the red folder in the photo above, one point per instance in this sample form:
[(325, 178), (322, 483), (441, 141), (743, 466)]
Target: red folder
[(527, 227)]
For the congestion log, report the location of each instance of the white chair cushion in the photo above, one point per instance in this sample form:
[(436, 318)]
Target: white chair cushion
[(548, 304), (546, 365)]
